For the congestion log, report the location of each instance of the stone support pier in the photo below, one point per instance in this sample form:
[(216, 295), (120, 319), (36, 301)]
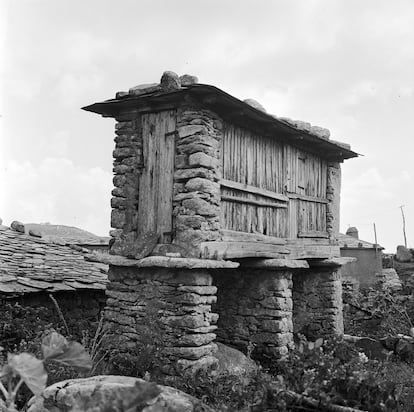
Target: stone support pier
[(166, 302), (254, 304), (317, 299)]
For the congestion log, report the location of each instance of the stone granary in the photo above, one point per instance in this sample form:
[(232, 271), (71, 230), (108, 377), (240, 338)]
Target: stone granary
[(33, 269), (239, 211)]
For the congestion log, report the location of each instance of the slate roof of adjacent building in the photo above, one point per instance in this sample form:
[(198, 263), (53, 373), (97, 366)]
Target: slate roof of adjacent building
[(66, 234), (350, 242), (30, 264)]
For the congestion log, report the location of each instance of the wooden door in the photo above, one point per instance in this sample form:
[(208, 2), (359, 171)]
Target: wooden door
[(157, 177)]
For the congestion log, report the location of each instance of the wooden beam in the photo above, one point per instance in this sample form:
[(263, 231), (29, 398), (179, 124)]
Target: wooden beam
[(313, 251), (238, 250), (307, 198), (313, 234), (238, 199), (236, 236), (253, 190)]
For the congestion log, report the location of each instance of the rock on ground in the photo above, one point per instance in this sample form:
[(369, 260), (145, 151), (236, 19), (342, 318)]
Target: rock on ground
[(403, 254), (120, 392), (233, 362)]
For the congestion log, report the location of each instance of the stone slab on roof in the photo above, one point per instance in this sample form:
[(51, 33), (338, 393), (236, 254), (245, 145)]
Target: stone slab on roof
[(350, 242), (172, 89), (29, 264)]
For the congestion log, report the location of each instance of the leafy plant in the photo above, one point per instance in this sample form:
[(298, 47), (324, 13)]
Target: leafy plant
[(28, 369)]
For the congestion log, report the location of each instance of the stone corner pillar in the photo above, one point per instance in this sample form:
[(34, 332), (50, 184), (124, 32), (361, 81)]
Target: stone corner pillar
[(164, 303), (317, 300)]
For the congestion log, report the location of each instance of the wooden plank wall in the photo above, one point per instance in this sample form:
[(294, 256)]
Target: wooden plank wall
[(157, 177), (269, 164)]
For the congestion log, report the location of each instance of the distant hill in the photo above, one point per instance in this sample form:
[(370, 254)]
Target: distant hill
[(67, 234)]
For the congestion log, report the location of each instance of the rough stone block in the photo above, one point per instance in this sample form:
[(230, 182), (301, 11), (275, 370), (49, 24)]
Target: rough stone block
[(118, 219), (189, 130), (203, 160), (201, 207), (199, 184)]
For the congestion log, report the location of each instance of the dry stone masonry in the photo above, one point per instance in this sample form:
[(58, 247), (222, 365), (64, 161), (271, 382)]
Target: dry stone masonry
[(225, 224)]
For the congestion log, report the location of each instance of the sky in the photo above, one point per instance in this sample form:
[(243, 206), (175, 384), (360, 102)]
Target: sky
[(347, 65)]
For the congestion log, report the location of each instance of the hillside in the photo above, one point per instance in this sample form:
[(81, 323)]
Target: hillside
[(67, 234)]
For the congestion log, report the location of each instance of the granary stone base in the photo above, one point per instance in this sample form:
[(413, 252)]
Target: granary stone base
[(317, 302), (168, 305), (255, 308)]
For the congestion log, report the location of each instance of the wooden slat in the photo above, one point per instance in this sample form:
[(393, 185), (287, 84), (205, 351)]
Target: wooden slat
[(235, 236), (238, 250), (307, 198), (238, 199), (314, 234), (253, 190)]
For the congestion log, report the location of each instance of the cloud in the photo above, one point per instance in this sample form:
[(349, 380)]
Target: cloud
[(57, 191)]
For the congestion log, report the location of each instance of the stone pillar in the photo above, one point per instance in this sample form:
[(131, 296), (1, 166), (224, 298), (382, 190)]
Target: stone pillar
[(127, 165), (317, 302), (166, 302), (255, 310), (333, 194), (196, 179)]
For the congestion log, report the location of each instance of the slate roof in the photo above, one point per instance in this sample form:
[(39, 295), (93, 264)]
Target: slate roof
[(153, 96), (66, 234), (350, 242), (29, 264)]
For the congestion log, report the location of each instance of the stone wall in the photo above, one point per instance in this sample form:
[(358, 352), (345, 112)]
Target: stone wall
[(127, 162), (196, 178), (255, 308), (168, 306), (317, 302), (333, 193)]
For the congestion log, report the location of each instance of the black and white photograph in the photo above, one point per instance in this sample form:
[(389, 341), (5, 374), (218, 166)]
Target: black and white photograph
[(206, 205)]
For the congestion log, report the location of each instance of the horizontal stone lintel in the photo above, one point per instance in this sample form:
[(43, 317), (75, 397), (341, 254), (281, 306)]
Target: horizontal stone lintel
[(276, 263), (332, 262), (163, 261)]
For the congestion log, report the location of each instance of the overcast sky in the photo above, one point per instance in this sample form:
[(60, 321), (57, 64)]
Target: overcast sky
[(342, 64)]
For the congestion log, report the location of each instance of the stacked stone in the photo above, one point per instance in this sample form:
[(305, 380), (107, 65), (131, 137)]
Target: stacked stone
[(196, 179), (173, 303), (255, 307), (333, 189), (317, 303), (127, 161)]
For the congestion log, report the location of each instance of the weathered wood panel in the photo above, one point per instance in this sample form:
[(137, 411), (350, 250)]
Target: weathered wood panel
[(257, 169), (252, 170), (156, 181)]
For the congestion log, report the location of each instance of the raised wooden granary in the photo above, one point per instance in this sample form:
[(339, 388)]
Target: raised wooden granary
[(215, 177), (225, 224)]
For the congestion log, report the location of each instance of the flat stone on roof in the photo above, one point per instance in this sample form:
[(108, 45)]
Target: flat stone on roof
[(163, 261)]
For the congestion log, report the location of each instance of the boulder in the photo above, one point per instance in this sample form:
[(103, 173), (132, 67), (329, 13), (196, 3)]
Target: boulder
[(121, 393), (403, 254), (321, 132), (233, 362), (388, 279), (142, 89), (374, 349), (188, 80), (170, 82), (255, 104), (17, 226), (35, 233)]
